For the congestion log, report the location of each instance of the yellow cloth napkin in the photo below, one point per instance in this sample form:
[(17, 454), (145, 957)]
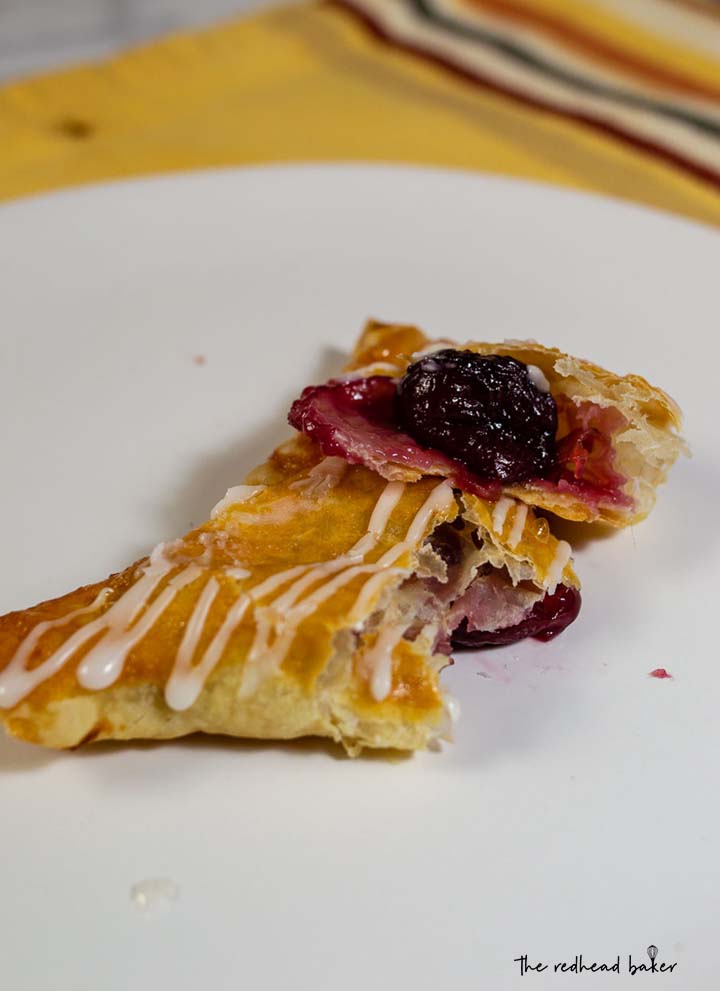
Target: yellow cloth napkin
[(621, 98)]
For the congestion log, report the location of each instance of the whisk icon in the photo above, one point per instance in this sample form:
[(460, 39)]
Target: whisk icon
[(654, 967)]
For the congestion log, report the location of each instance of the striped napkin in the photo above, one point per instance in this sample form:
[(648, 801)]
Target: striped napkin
[(617, 96)]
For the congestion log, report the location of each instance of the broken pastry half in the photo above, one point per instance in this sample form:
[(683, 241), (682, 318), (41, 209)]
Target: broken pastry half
[(319, 599), (324, 596), (512, 419)]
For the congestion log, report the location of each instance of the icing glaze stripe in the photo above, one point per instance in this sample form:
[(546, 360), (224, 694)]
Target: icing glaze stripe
[(518, 527), (235, 495), (440, 499), (272, 615), (557, 565), (379, 660), (185, 685), (125, 609), (273, 658), (103, 664), (131, 617), (16, 681), (322, 477), (500, 511)]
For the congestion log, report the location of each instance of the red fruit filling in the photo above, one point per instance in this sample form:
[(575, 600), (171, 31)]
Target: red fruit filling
[(358, 421), (585, 455), (491, 611), (546, 620)]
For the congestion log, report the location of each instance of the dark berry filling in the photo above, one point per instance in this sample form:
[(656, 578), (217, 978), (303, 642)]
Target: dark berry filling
[(446, 543), (547, 619), (483, 411), (477, 420)]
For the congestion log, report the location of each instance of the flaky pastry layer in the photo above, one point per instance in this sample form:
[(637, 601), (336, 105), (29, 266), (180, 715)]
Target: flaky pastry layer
[(645, 447)]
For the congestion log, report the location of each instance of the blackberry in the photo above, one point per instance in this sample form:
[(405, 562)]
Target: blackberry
[(484, 411)]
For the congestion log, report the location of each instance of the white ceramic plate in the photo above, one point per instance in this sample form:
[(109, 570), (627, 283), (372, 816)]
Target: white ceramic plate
[(578, 810)]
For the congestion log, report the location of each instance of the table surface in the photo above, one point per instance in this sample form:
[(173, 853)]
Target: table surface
[(37, 35), (599, 95)]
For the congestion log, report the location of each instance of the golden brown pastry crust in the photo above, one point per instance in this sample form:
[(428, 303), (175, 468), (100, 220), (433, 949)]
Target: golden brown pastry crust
[(645, 449), (311, 510)]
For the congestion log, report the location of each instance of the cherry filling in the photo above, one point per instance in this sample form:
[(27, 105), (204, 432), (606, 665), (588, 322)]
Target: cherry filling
[(546, 620), (478, 420), (585, 453), (492, 611), (356, 420)]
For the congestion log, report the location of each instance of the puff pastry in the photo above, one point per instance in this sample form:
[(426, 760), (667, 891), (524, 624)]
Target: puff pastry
[(312, 602), (322, 595), (617, 435)]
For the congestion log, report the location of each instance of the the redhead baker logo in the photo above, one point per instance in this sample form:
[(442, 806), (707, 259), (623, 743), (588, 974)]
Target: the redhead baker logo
[(581, 964)]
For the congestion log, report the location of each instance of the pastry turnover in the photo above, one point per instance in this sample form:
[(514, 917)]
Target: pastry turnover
[(617, 436), (324, 595), (318, 599)]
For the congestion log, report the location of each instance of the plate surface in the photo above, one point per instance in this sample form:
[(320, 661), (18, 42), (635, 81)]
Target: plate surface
[(577, 811)]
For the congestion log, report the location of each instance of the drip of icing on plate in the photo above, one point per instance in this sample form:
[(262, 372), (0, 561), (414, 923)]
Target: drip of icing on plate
[(153, 896)]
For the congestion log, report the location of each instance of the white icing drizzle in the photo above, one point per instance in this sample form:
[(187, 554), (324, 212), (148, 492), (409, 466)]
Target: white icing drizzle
[(158, 558), (186, 682), (103, 663), (376, 368), (518, 527), (131, 617), (183, 677), (235, 495), (557, 566), (502, 508), (280, 511), (372, 586), (289, 597), (266, 615), (323, 477), (275, 581), (120, 630), (16, 681), (273, 615), (125, 610), (439, 499), (237, 573), (205, 558), (210, 542), (153, 896), (452, 707), (380, 517), (538, 379), (379, 660), (432, 348), (271, 661)]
